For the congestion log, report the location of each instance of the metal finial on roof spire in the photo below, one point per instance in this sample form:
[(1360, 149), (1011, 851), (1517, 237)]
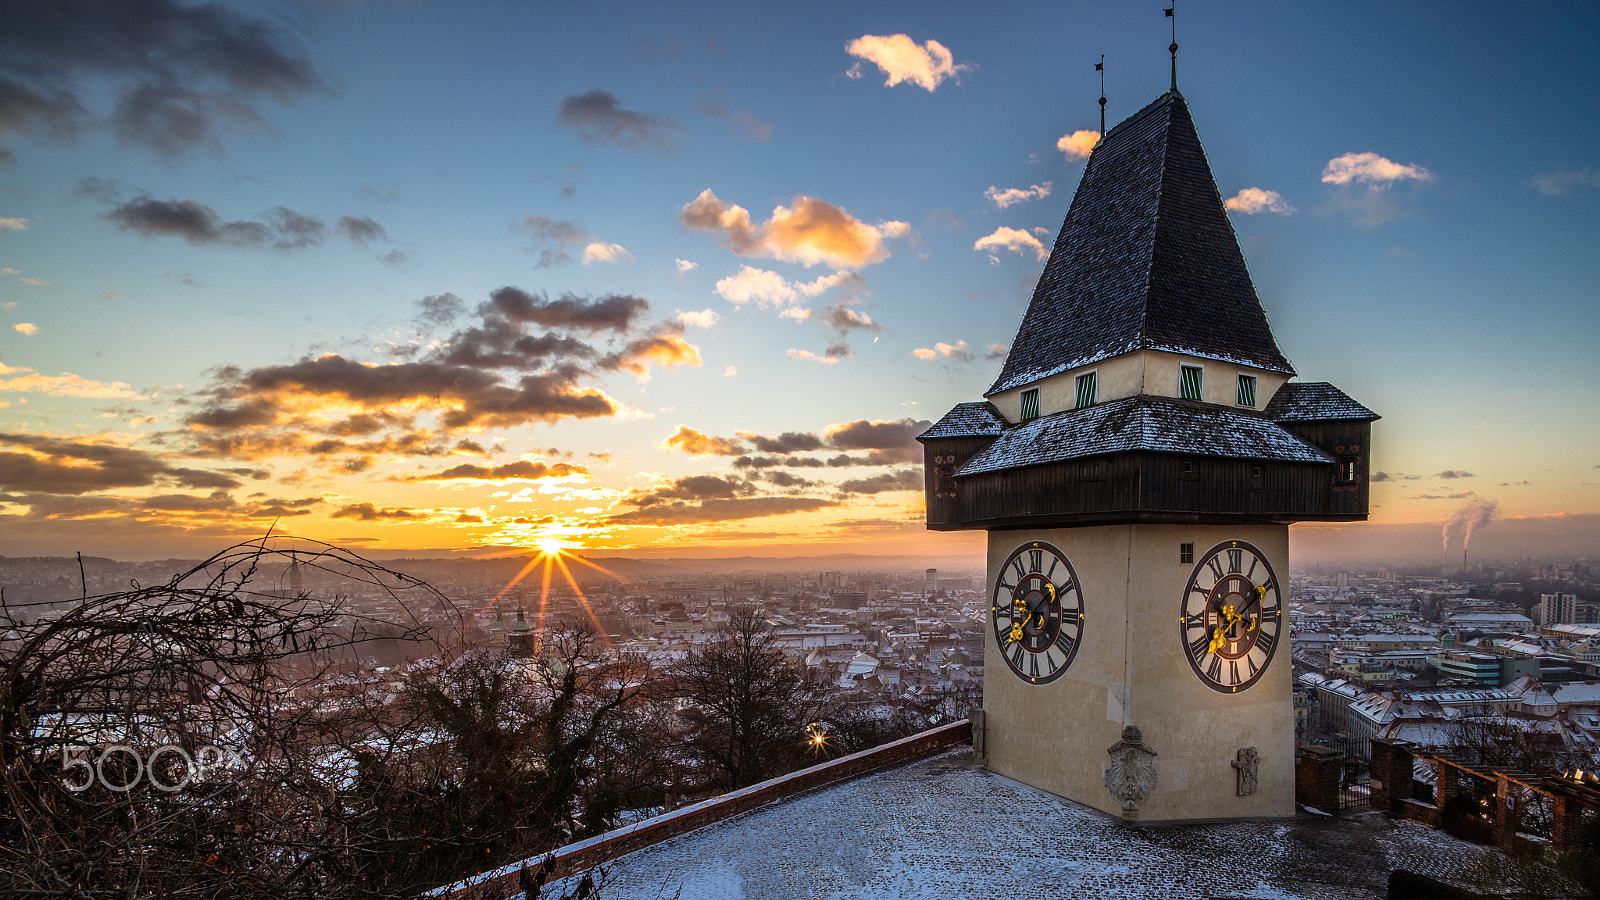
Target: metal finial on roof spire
[(1173, 49), (1101, 68)]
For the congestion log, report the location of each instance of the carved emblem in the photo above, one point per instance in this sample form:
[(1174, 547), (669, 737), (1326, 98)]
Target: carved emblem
[(1246, 765), (1132, 775)]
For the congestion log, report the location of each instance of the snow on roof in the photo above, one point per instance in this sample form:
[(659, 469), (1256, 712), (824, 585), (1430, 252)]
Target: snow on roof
[(944, 827), (1142, 422)]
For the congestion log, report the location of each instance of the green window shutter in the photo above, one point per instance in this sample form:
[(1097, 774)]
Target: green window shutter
[(1189, 382), (1086, 391), (1247, 390), (1030, 404)]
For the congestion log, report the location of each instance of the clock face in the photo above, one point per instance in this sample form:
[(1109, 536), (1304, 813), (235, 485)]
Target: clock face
[(1232, 616), (1037, 611)]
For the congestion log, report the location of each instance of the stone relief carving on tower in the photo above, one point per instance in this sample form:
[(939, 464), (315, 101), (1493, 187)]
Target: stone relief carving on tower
[(1246, 764), (1132, 775)]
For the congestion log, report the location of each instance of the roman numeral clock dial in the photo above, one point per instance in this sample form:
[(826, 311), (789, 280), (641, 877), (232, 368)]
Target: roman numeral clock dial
[(1037, 611), (1232, 616)]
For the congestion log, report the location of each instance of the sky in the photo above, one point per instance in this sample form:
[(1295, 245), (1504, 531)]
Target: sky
[(688, 278)]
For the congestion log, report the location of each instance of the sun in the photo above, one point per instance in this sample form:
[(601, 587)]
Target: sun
[(549, 546)]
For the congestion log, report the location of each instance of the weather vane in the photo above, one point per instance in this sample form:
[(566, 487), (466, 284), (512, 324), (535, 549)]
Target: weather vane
[(1101, 68), (1173, 49)]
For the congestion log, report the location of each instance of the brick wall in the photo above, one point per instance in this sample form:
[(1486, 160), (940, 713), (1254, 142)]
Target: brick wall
[(1316, 778), (584, 855)]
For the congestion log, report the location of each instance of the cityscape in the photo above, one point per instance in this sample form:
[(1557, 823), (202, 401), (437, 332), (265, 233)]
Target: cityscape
[(501, 451)]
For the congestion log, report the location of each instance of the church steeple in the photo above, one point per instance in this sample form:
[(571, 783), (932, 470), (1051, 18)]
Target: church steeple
[(1146, 260)]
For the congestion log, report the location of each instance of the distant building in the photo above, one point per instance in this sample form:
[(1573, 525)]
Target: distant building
[(1561, 609), (930, 582)]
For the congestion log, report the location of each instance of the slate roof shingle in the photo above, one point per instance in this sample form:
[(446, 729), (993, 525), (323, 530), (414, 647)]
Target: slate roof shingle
[(1315, 401), (1142, 422), (979, 419), (1146, 259)]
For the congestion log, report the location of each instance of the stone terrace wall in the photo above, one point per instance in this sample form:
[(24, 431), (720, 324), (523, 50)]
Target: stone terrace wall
[(584, 855)]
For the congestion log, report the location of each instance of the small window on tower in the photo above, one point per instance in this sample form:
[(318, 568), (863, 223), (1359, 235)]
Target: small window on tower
[(1186, 554), (1086, 390), (1247, 391), (1348, 469), (1030, 404), (1189, 382)]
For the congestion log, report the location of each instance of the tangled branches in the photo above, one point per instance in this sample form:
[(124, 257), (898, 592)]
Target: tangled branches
[(158, 741)]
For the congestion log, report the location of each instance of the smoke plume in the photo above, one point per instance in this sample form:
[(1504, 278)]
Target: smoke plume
[(1467, 520)]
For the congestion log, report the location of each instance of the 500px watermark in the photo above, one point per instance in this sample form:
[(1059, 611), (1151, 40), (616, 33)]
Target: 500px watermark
[(152, 768)]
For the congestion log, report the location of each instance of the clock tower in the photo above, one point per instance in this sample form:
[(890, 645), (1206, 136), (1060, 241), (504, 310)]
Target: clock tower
[(1136, 465)]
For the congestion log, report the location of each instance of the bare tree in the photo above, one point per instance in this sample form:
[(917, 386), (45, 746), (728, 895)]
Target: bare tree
[(745, 707)]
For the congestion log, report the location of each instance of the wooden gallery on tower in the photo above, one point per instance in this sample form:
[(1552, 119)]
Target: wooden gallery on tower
[(1137, 464)]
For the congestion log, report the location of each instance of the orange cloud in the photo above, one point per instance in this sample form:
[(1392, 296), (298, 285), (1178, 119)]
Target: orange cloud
[(808, 232), (1255, 200), (1079, 144), (925, 65), (65, 385), (697, 443)]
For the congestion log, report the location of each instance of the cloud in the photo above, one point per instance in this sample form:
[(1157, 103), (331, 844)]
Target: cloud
[(613, 312), (1371, 169), (1454, 473), (898, 480), (808, 356), (888, 435), (279, 228), (886, 442), (599, 251), (1078, 144), (957, 351), (1361, 185), (730, 371), (1251, 201), (808, 232), (718, 510), (697, 443), (367, 512), (557, 239), (361, 230), (1013, 196), (13, 224), (176, 75), (704, 318), (520, 470), (1459, 495), (665, 347), (1379, 476), (740, 122), (598, 118), (64, 385), (27, 328), (498, 371), (1012, 239), (1552, 184), (901, 59), (768, 288), (685, 266), (73, 466)]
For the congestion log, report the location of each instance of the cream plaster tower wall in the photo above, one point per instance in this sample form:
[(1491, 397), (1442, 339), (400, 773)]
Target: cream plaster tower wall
[(1131, 669)]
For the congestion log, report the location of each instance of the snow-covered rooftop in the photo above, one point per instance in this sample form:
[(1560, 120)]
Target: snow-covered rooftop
[(944, 827)]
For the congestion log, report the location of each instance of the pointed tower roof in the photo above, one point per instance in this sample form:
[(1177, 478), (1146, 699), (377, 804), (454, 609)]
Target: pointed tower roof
[(1146, 260)]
